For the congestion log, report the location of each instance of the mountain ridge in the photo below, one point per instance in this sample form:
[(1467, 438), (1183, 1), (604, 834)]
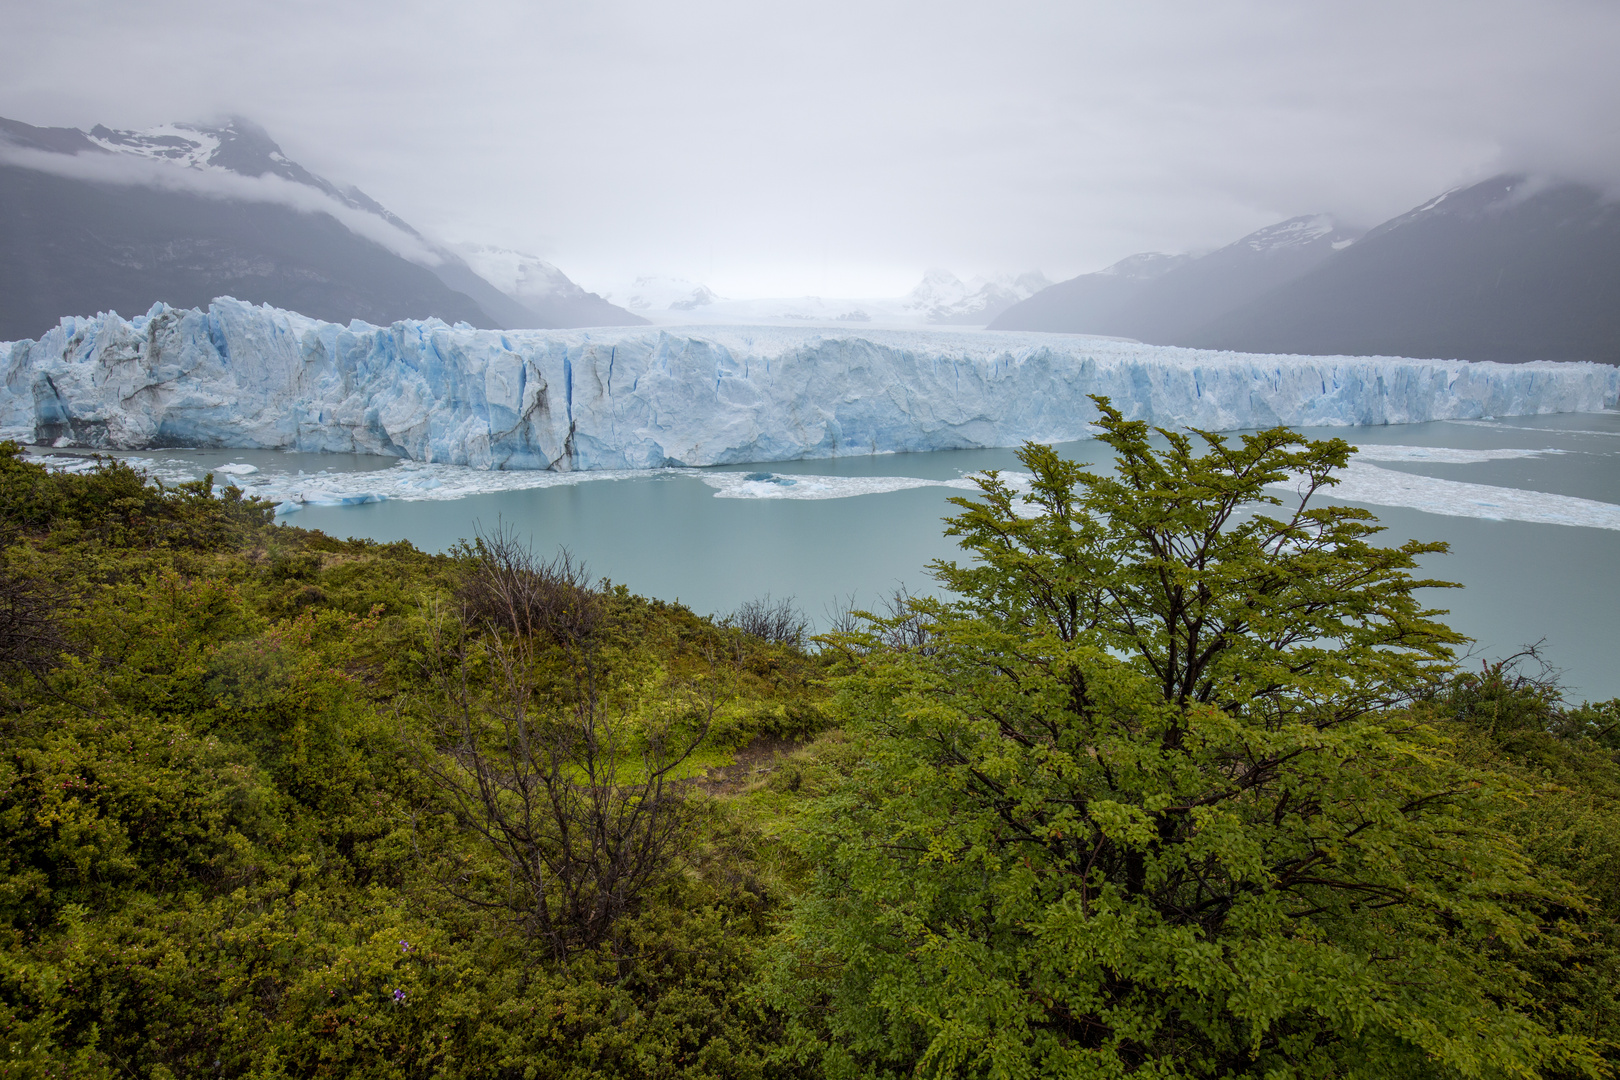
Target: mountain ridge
[(1510, 269), (150, 218), (1160, 298)]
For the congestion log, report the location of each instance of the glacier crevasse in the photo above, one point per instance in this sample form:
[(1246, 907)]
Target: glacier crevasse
[(240, 376)]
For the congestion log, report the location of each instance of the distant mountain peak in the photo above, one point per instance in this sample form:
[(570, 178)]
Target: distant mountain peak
[(236, 145), (521, 276), (1154, 295), (174, 144), (702, 296), (946, 299), (655, 292), (1496, 195)]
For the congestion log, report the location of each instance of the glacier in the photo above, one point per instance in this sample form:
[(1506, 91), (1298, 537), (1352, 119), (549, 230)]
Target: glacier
[(254, 377)]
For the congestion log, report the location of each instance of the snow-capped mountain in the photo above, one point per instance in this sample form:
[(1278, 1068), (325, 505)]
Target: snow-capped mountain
[(543, 289), (1510, 269), (236, 146), (1162, 298), (655, 293), (516, 273), (947, 300), (1513, 268), (117, 219)]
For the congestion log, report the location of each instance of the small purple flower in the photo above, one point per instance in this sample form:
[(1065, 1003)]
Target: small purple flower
[(399, 997), (404, 946)]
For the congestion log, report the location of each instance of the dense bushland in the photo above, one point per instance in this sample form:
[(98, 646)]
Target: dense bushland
[(1160, 786), (227, 843)]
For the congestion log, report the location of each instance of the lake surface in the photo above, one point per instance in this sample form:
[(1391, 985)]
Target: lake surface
[(1529, 505)]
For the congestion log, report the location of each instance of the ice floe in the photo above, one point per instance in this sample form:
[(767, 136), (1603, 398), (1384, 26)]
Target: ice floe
[(1369, 484), (1443, 455)]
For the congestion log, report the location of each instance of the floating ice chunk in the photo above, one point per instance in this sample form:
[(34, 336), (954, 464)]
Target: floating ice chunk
[(415, 482), (1537, 430), (1454, 498), (735, 485), (236, 470), (1443, 455)]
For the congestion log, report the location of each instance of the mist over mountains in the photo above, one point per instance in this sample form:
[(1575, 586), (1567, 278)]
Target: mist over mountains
[(939, 299), (117, 220), (1510, 269)]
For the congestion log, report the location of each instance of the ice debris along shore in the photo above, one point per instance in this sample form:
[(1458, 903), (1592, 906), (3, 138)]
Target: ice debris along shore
[(410, 481), (240, 376)]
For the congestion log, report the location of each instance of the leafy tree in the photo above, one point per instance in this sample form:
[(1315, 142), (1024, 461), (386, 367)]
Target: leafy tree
[(1143, 799)]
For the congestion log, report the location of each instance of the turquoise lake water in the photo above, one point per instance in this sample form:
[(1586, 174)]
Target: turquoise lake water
[(1529, 505)]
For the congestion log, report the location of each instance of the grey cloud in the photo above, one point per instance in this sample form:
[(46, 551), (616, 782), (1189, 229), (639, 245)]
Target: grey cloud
[(220, 184), (844, 146)]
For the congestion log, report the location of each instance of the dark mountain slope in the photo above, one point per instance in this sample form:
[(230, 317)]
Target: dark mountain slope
[(52, 140), (77, 246), (1508, 269), (1177, 304), (1164, 299), (70, 247), (1088, 304)]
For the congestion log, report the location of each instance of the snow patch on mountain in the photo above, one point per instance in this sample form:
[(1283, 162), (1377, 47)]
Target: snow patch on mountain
[(1144, 267), (140, 170), (1300, 231), (178, 144), (236, 146)]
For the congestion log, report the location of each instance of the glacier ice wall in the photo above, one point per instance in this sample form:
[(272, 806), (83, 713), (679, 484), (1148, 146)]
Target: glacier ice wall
[(241, 376)]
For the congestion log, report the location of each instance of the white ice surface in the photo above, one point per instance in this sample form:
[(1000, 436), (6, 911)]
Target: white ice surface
[(1362, 483), (239, 376), (1498, 426), (1442, 455), (410, 481), (734, 485)]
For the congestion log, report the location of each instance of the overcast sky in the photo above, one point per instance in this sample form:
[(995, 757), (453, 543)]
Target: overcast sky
[(840, 148)]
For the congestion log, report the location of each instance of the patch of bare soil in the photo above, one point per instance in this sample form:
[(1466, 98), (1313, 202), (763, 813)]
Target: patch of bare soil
[(753, 762)]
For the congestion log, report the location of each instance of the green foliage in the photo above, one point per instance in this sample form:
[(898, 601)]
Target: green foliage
[(219, 855), (118, 506), (1145, 799), (1170, 788), (1566, 816)]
